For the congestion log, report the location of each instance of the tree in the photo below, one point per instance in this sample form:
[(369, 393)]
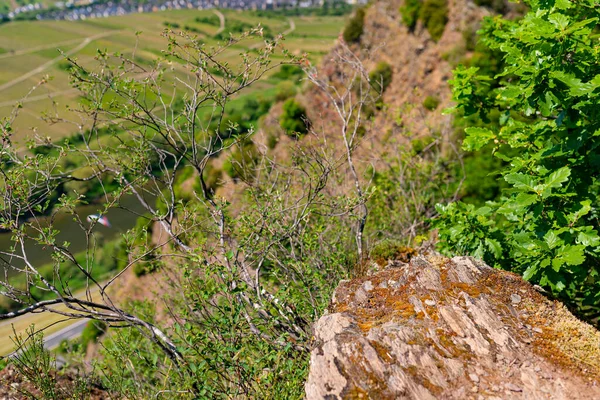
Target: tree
[(545, 225), (354, 29), (246, 273), (293, 119)]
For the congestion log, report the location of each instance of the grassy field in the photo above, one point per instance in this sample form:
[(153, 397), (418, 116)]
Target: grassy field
[(30, 51)]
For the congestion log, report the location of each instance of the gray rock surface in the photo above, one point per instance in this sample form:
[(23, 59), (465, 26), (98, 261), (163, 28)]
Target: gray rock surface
[(450, 329)]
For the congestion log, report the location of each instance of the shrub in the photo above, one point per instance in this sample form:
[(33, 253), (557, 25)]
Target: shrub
[(285, 90), (434, 14), (241, 162), (381, 76), (410, 13), (545, 224), (92, 331), (147, 266), (354, 29), (431, 103), (293, 120), (209, 20), (272, 140), (288, 72), (173, 25), (420, 144), (498, 6), (387, 250)]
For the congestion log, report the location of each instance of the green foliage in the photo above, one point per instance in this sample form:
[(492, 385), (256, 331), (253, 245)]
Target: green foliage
[(234, 26), (293, 119), (38, 366), (211, 19), (381, 76), (92, 331), (421, 144), (241, 163), (329, 8), (172, 25), (285, 90), (68, 347), (354, 28), (431, 103), (498, 6), (390, 250), (434, 14), (289, 72), (410, 13), (544, 226)]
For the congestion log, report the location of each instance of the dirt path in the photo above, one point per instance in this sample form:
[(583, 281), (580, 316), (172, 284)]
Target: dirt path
[(222, 21), (292, 27), (42, 67)]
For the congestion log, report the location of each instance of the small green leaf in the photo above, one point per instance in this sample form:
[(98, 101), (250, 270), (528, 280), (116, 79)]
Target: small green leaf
[(494, 247), (530, 272), (585, 209), (552, 240), (520, 181), (588, 238), (477, 138), (558, 177), (572, 255)]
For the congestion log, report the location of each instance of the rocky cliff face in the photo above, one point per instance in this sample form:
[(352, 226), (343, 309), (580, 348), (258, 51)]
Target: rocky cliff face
[(438, 328)]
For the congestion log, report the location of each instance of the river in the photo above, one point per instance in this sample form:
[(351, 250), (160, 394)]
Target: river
[(121, 219)]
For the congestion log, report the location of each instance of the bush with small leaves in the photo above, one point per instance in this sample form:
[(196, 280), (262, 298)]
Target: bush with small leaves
[(390, 250), (293, 119), (410, 13), (545, 224), (381, 77), (241, 163), (354, 29), (431, 103), (92, 331), (434, 14), (285, 90)]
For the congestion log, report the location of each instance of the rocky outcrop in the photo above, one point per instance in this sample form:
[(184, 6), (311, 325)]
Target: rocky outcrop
[(438, 328)]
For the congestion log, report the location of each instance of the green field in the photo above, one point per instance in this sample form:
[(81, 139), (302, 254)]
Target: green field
[(29, 50)]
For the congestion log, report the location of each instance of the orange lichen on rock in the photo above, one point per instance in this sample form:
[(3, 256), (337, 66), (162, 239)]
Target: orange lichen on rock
[(452, 329)]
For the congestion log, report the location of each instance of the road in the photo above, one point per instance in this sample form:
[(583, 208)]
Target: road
[(70, 332)]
